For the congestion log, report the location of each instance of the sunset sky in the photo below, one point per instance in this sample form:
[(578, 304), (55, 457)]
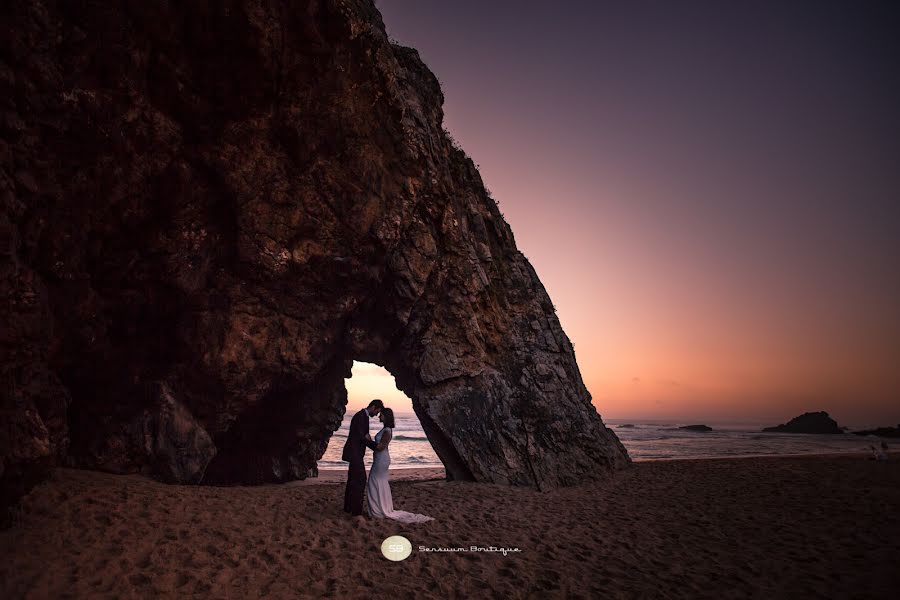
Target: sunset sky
[(709, 191)]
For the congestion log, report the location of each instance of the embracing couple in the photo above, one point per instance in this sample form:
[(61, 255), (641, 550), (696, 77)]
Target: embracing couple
[(378, 489)]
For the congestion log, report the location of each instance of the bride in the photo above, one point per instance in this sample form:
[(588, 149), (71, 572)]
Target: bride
[(378, 489)]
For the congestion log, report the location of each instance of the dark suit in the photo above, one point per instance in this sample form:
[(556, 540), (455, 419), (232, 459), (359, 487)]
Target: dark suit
[(354, 451)]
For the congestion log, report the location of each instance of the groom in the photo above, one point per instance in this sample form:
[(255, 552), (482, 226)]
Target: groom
[(354, 450)]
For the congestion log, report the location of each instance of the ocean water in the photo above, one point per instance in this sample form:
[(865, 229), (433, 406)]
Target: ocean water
[(409, 446), (662, 440), (646, 440)]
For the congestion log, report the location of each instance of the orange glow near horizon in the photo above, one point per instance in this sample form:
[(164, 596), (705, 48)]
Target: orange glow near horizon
[(716, 222), (368, 382)]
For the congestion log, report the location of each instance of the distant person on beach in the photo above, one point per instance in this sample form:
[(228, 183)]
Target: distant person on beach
[(879, 454), (358, 440)]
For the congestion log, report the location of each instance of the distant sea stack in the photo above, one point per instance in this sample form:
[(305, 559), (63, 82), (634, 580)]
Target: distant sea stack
[(811, 422), (687, 428), (892, 432)]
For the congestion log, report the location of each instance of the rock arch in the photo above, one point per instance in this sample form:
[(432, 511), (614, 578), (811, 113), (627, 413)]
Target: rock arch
[(211, 209)]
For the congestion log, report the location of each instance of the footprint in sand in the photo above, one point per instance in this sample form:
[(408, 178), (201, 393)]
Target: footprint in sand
[(139, 579), (182, 579)]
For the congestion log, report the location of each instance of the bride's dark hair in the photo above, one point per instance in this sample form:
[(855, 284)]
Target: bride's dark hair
[(388, 416)]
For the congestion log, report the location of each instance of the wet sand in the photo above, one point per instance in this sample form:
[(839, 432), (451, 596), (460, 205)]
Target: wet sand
[(790, 527)]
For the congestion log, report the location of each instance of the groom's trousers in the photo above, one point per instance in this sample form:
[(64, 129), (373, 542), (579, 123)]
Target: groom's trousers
[(356, 483)]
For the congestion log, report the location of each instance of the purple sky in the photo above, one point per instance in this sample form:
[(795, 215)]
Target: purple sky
[(710, 191)]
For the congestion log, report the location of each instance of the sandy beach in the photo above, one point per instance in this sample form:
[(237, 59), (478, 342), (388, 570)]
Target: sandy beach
[(789, 527)]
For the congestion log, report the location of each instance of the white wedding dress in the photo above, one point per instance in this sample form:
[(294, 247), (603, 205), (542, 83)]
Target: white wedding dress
[(378, 489)]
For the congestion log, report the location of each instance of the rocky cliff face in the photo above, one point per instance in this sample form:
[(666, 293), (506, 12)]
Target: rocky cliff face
[(210, 209)]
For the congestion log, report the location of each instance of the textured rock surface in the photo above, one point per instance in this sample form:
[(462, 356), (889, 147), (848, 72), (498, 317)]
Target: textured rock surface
[(209, 210), (811, 422)]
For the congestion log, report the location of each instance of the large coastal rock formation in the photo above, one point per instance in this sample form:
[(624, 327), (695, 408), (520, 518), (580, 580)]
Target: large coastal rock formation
[(811, 422), (210, 209)]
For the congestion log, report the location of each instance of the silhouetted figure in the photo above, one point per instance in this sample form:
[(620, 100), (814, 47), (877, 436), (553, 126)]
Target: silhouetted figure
[(354, 451), (378, 490), (879, 454)]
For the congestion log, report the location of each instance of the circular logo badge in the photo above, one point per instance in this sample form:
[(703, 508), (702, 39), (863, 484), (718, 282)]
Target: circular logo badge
[(396, 547)]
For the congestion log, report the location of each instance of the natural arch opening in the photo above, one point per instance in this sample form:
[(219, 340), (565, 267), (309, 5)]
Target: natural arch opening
[(410, 448)]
